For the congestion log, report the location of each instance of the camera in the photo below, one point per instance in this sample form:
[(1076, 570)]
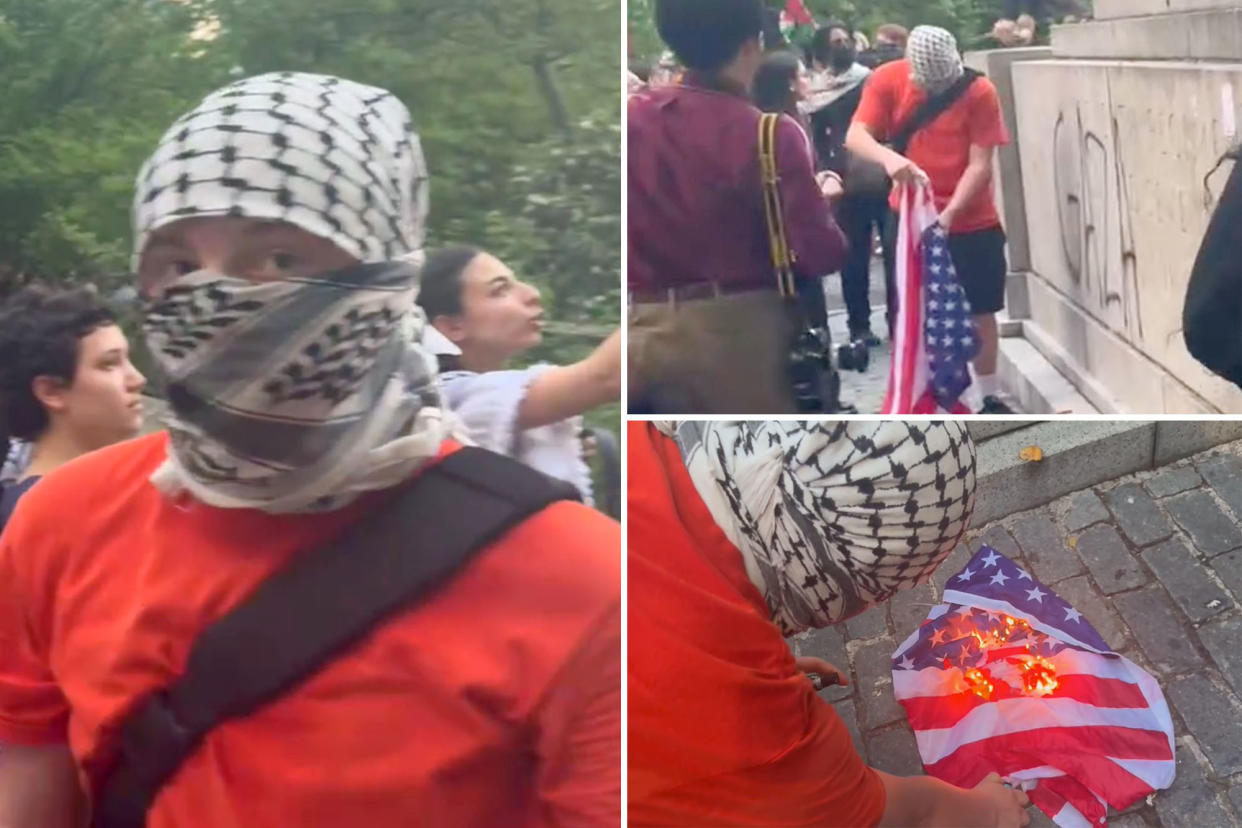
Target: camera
[(853, 356), (816, 384)]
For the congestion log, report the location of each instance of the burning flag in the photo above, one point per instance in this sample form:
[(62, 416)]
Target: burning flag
[(1007, 677), (934, 337)]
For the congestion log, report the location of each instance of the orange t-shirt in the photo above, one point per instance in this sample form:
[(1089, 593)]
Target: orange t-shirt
[(942, 148), (495, 702), (723, 729)]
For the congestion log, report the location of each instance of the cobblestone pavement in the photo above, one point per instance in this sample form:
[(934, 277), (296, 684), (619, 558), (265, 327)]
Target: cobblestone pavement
[(1154, 562)]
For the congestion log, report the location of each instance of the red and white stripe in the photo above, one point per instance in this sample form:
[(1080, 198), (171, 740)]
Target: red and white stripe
[(1103, 738), (909, 378)]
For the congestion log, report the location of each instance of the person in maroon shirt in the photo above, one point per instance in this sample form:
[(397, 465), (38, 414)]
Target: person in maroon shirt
[(709, 332)]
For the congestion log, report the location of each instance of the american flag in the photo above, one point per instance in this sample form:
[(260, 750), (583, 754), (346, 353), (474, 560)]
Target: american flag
[(934, 337), (1098, 734)]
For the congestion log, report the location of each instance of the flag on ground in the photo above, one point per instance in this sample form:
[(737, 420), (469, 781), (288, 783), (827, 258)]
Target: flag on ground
[(1008, 677), (934, 338)]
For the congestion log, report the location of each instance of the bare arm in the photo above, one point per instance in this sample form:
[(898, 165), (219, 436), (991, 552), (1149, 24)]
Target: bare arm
[(574, 389), (977, 176), (926, 801), (39, 786), (860, 141)]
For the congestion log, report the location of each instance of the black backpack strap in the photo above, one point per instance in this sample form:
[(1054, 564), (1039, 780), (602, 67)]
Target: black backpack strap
[(317, 607), (931, 109)]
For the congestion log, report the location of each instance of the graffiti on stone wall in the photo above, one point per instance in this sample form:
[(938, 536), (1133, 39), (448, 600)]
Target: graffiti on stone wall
[(1093, 209)]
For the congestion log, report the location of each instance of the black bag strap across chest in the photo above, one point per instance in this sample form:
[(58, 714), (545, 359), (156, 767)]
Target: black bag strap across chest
[(931, 109), (318, 607)]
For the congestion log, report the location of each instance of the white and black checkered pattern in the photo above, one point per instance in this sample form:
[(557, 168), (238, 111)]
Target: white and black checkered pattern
[(833, 517), (935, 62), (330, 156), (296, 394)]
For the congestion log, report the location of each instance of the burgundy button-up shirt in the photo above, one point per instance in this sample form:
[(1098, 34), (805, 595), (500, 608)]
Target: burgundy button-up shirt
[(696, 199)]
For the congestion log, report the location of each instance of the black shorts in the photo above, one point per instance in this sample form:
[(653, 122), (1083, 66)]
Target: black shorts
[(979, 259)]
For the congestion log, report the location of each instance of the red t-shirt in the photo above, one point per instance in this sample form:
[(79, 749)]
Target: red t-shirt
[(495, 702), (942, 148), (723, 729)]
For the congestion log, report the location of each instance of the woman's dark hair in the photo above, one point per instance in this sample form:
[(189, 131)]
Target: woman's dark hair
[(707, 34), (439, 292), (821, 40), (771, 89), (40, 330)]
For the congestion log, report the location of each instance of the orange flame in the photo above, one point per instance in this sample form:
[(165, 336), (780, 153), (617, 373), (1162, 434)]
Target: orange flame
[(1039, 677)]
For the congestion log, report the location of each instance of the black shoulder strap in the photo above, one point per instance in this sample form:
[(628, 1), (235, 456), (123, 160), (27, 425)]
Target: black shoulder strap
[(931, 109), (317, 607)]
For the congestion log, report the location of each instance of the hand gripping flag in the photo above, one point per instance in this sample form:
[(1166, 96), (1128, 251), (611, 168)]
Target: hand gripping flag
[(1007, 677), (934, 338)]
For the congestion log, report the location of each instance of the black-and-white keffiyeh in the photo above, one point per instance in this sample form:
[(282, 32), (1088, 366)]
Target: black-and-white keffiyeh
[(295, 395), (833, 517), (827, 88), (935, 62)]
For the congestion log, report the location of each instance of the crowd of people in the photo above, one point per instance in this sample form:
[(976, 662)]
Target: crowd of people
[(279, 249), (709, 329)]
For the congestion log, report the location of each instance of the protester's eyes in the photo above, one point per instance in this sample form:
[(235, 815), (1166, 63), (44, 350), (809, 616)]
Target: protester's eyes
[(276, 264)]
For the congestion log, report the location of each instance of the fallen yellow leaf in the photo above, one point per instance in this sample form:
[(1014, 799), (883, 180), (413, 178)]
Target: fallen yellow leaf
[(1072, 543), (1031, 454)]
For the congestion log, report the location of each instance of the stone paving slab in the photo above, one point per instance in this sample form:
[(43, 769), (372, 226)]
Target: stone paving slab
[(1112, 566), (1086, 508), (1136, 572), (1212, 715), (1198, 594), (1198, 513), (1137, 515), (1174, 481), (1191, 801), (1223, 473)]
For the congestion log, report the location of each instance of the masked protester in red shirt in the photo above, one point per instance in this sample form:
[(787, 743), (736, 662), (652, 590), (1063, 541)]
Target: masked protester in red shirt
[(277, 226), (955, 153), (708, 329), (741, 534)]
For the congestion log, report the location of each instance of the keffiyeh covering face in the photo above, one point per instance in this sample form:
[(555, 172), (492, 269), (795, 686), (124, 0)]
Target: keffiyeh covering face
[(299, 394), (832, 517), (935, 63)]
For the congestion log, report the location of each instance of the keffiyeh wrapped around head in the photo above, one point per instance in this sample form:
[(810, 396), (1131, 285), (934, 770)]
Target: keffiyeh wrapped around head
[(296, 394), (935, 62), (833, 517)]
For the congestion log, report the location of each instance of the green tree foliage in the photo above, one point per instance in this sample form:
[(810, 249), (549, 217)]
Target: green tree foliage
[(970, 20)]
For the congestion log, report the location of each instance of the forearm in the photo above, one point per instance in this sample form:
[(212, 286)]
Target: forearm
[(972, 183), (574, 389), (862, 143), (39, 786), (927, 801)]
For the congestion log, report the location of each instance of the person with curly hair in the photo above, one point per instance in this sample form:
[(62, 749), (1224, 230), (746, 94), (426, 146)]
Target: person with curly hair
[(67, 385)]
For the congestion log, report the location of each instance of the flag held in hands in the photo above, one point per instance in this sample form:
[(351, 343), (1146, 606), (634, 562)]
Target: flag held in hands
[(1008, 677), (934, 337)]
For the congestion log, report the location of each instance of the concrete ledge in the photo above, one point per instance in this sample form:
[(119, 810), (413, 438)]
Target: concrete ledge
[(1176, 439), (1205, 35), (981, 430), (1035, 383), (1113, 9), (1017, 295), (1077, 454)]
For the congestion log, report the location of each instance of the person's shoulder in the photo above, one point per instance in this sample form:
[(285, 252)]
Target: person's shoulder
[(983, 88), (895, 73), (97, 475), (571, 546)]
